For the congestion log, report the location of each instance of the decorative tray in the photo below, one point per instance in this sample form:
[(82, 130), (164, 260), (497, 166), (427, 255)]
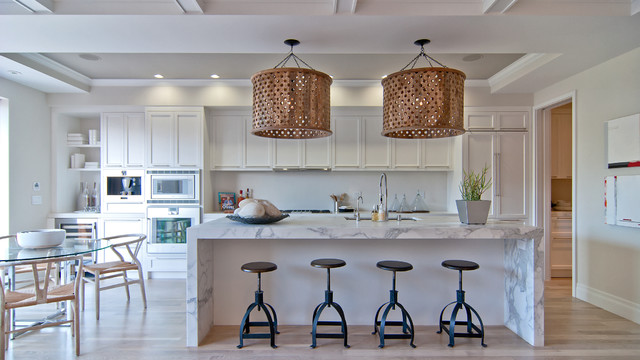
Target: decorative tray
[(260, 220)]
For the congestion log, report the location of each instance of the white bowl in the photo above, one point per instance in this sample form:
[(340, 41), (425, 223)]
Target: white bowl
[(36, 239)]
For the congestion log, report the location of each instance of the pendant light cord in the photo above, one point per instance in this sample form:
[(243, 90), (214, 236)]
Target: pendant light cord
[(413, 62), (290, 56)]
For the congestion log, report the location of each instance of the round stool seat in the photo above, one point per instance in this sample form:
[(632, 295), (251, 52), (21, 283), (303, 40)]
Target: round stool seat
[(259, 267), (393, 265), (328, 263), (462, 265)]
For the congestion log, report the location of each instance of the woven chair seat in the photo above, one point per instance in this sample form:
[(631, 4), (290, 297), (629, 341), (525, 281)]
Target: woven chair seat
[(111, 266), (55, 293)]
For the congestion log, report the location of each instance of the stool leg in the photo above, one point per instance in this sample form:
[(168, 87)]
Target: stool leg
[(375, 320), (383, 322), (244, 324), (442, 312), (275, 318), (272, 329), (405, 315), (481, 324), (452, 323), (343, 321), (314, 328)]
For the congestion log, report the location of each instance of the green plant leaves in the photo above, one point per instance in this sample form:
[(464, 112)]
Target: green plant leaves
[(473, 185)]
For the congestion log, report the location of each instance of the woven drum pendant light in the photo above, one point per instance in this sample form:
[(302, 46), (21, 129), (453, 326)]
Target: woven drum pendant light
[(423, 102), (291, 103)]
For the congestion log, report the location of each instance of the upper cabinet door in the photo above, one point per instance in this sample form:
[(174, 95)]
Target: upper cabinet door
[(377, 150), (257, 148), (406, 153), (436, 153), (346, 142), (317, 153), (134, 145), (113, 139), (160, 133), (287, 153), (123, 140), (189, 139)]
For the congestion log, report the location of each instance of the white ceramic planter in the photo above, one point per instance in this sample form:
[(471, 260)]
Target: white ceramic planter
[(473, 212)]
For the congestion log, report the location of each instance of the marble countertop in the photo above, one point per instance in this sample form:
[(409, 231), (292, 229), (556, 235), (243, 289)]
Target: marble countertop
[(335, 226)]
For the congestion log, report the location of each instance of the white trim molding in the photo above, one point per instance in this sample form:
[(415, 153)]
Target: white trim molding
[(519, 68), (615, 304)]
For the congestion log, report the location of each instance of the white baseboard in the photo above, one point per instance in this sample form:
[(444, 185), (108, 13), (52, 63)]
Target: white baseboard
[(617, 305)]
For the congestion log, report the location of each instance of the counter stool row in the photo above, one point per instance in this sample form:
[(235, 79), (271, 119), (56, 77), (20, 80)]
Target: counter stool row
[(380, 324)]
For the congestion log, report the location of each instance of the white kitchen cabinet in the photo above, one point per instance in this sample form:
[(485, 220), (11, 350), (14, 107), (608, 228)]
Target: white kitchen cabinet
[(429, 154), (120, 226), (376, 148), (506, 156), (287, 153), (174, 137), (233, 147), (496, 119), (346, 142), (561, 143), (123, 140), (560, 255), (317, 153)]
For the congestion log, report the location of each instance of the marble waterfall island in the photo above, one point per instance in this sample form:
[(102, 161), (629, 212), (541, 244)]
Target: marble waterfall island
[(506, 290)]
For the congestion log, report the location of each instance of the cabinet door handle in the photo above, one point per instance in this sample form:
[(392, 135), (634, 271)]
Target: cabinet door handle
[(497, 175)]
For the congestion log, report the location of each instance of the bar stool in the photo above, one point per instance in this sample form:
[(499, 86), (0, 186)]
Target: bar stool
[(472, 330), (406, 323), (328, 302), (272, 319)]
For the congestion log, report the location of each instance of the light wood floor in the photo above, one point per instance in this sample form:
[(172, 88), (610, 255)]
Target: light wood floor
[(574, 330)]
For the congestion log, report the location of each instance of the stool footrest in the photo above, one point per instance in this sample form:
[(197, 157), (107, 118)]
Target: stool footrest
[(478, 332), (256, 336), (258, 323), (330, 336), (330, 323), (393, 323)]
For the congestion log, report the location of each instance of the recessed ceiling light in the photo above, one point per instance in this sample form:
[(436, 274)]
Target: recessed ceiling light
[(215, 76), (158, 76), (14, 72), (90, 57), (472, 57)]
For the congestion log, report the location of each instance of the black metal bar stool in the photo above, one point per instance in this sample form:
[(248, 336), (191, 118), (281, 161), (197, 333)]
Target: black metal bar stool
[(472, 330), (406, 323), (272, 318), (328, 302)]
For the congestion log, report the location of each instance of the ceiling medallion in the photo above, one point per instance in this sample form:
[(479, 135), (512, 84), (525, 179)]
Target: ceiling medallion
[(291, 102), (423, 102)]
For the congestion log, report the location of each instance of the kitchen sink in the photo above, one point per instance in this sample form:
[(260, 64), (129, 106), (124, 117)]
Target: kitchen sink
[(368, 218)]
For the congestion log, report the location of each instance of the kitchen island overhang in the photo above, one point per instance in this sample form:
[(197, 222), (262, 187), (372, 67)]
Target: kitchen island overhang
[(510, 268)]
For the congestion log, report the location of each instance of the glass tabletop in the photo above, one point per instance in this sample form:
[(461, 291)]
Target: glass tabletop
[(10, 250)]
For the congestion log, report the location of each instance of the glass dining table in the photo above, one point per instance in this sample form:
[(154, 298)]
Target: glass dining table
[(11, 253)]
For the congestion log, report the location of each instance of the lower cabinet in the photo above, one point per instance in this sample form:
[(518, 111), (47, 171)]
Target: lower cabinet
[(121, 226), (560, 255)]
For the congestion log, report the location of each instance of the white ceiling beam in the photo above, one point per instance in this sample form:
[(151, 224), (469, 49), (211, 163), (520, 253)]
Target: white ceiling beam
[(191, 6), (52, 70), (497, 6), (345, 6), (519, 69), (635, 7), (36, 6)]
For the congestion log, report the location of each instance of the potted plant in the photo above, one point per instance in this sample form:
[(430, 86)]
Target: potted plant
[(471, 209)]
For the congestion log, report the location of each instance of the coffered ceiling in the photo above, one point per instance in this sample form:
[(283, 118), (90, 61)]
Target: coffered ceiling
[(510, 45)]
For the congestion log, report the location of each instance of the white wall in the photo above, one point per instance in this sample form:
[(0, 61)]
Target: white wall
[(608, 257), (29, 155)]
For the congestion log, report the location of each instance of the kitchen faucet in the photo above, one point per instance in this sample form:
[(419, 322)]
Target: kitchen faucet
[(358, 201), (383, 214)]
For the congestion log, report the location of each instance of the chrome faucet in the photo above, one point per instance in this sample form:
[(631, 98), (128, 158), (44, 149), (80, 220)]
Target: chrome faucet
[(358, 201), (383, 215)]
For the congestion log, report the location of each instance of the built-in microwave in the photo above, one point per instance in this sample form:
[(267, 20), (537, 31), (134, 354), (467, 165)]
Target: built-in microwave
[(173, 186), (122, 190)]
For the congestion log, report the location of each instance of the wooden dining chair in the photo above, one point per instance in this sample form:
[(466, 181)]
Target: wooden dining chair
[(43, 291), (126, 248)]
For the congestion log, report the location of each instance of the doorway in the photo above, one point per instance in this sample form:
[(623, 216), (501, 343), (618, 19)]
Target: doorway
[(555, 204)]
